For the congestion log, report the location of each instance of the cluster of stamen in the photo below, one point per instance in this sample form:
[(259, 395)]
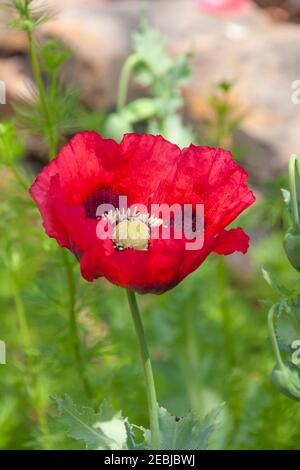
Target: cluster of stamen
[(131, 228)]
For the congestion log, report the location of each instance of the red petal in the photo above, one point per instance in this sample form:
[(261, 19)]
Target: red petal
[(155, 270), (230, 241), (146, 163), (86, 163), (214, 177)]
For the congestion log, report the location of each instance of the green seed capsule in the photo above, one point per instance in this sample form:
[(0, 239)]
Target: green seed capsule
[(291, 245), (287, 380)]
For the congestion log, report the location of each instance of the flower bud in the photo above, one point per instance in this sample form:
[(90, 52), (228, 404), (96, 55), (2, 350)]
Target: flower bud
[(286, 378), (291, 245)]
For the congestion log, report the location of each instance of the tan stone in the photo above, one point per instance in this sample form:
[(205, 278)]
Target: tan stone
[(262, 57)]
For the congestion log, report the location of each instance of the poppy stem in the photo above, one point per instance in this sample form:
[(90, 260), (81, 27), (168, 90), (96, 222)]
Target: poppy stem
[(271, 327), (42, 95), (294, 166), (128, 66), (150, 385), (48, 106)]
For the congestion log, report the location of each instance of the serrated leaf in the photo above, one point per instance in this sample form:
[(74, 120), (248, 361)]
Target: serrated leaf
[(150, 45), (180, 72), (132, 444), (104, 430), (187, 433)]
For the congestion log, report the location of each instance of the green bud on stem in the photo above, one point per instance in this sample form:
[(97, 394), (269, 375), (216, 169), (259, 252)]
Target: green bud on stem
[(291, 245), (286, 378)]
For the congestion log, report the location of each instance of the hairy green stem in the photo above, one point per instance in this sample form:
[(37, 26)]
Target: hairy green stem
[(271, 326), (128, 67), (40, 85), (47, 108), (42, 95), (149, 379)]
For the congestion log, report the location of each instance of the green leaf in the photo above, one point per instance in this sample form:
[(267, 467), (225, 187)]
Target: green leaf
[(139, 110), (104, 430), (132, 444), (286, 331), (53, 55), (150, 45), (187, 433), (180, 71), (295, 309), (288, 323), (108, 430)]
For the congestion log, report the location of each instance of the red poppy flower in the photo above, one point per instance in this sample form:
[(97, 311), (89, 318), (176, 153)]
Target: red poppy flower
[(225, 7), (91, 171)]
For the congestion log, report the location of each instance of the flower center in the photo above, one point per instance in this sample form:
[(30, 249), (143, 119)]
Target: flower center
[(131, 234), (131, 229)]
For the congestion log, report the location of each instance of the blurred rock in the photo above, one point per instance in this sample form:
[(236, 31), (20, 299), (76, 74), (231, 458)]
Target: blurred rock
[(17, 83), (281, 10), (263, 62), (262, 57)]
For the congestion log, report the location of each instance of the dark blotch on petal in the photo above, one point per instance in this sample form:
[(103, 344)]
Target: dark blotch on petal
[(102, 196)]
